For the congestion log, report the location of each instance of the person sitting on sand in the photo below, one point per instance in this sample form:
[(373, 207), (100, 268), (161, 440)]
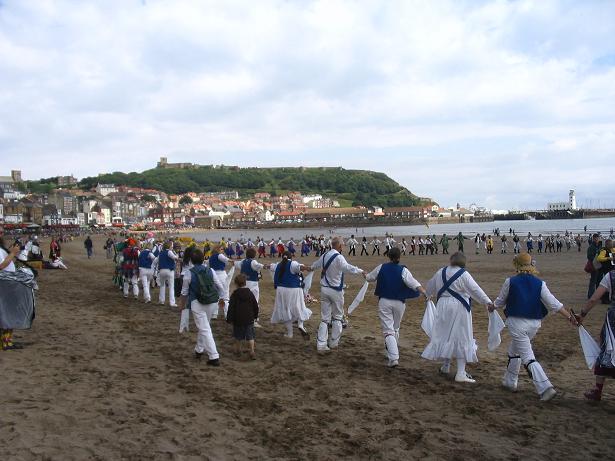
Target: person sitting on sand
[(452, 334), (526, 301), (242, 313), (202, 292), (394, 284)]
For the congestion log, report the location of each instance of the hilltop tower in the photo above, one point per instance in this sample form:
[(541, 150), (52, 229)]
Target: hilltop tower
[(163, 162), (16, 175)]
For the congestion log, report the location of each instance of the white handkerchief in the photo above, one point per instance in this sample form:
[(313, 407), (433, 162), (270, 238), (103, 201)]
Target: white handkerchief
[(359, 298), (229, 278), (591, 350), (429, 317), (184, 320), (496, 325), (307, 283)]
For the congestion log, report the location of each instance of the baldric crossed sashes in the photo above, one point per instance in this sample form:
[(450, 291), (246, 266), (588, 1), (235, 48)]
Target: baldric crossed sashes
[(446, 288)]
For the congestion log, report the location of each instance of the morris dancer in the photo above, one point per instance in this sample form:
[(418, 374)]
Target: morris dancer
[(130, 267), (352, 243), (289, 305), (364, 247), (376, 246), (333, 266), (605, 363), (218, 262), (452, 334), (146, 272), (527, 300), (166, 273), (394, 285)]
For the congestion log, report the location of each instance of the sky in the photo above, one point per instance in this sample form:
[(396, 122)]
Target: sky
[(506, 104)]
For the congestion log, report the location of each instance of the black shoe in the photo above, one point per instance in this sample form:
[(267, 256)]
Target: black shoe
[(214, 362), (12, 347), (198, 355), (304, 333)]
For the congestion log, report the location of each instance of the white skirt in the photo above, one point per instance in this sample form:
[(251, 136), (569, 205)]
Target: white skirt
[(452, 335), (289, 306)]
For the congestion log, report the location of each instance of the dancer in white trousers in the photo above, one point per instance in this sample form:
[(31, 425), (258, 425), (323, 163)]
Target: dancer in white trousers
[(218, 262), (166, 274), (146, 271), (251, 268), (394, 285), (333, 265), (526, 301), (452, 335), (202, 293)]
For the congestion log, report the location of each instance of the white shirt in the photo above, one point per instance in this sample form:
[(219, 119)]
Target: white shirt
[(547, 298), (351, 242), (464, 285), (606, 282), (406, 276), (295, 267), (187, 276), (336, 269), (3, 256), (255, 265)]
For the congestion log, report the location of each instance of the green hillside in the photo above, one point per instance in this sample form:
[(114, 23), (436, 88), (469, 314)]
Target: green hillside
[(355, 187)]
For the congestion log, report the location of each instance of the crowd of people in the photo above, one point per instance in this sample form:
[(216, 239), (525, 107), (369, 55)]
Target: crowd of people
[(195, 277)]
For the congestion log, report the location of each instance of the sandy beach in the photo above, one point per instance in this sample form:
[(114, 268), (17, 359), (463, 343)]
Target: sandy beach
[(102, 377)]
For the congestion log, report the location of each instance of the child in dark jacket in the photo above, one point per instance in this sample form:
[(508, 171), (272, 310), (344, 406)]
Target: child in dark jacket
[(242, 311)]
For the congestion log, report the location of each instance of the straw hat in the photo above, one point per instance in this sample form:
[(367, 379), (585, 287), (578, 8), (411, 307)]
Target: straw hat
[(523, 263)]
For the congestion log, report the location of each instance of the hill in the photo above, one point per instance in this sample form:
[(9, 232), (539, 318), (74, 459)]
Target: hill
[(356, 187)]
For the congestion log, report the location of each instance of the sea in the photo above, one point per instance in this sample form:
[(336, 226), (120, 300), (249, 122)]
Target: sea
[(545, 227)]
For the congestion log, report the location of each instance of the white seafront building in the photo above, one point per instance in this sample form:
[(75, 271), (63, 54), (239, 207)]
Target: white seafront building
[(571, 204)]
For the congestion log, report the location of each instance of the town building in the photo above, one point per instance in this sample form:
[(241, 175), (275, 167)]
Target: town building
[(570, 205)]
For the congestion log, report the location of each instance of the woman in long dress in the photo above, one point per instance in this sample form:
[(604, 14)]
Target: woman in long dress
[(605, 363), (452, 334), (289, 305)]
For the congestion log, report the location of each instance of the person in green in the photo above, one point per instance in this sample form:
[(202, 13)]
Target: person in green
[(435, 243), (460, 238), (444, 241)]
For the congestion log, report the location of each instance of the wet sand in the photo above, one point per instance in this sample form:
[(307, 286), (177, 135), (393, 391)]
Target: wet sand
[(103, 377)]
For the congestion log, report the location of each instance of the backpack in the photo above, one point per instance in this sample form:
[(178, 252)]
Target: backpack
[(206, 292)]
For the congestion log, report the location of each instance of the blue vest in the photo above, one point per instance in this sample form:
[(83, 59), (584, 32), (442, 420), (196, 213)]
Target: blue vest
[(144, 260), (165, 262), (288, 280), (524, 298), (390, 285), (246, 268), (215, 263)]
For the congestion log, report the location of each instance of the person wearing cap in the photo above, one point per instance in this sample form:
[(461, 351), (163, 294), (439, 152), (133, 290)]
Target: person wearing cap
[(333, 266), (452, 334), (394, 284), (526, 301), (592, 251)]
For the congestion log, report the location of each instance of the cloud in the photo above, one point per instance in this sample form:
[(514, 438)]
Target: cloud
[(462, 101)]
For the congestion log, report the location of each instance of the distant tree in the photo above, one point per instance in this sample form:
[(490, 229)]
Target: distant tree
[(185, 200), (148, 198)]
